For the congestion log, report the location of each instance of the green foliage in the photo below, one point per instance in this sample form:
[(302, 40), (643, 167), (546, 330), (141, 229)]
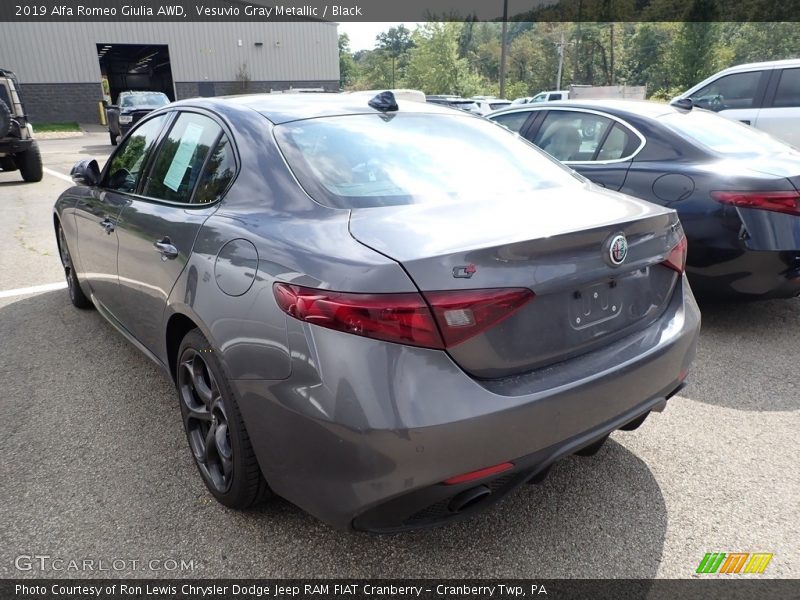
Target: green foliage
[(666, 56)]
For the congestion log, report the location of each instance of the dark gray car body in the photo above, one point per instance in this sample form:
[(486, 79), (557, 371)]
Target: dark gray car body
[(360, 432), (733, 251)]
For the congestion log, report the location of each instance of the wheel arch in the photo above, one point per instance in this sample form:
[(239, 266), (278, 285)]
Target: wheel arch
[(177, 327)]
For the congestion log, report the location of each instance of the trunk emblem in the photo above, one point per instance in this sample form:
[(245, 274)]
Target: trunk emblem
[(618, 249), (464, 272)]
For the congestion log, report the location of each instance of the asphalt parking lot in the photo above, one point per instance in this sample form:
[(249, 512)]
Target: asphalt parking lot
[(96, 465)]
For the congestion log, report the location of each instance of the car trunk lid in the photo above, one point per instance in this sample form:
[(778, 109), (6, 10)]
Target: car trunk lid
[(558, 247)]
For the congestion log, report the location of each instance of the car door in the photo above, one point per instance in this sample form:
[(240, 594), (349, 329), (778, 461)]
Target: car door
[(97, 213), (158, 226), (596, 145), (780, 115)]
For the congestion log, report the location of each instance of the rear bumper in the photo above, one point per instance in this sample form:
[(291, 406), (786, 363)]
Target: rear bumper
[(14, 145), (363, 433), (757, 274)]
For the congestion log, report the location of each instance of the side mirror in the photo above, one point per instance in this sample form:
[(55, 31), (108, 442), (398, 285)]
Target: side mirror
[(86, 172), (682, 103)]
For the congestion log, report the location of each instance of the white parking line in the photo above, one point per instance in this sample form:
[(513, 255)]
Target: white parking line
[(57, 174), (36, 289)]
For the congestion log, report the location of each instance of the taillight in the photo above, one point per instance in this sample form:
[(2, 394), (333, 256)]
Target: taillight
[(466, 313), (403, 318), (782, 202), (676, 259)]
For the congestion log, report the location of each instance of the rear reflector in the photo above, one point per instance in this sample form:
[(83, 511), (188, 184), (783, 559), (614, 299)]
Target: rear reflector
[(676, 259), (480, 474), (782, 202), (437, 320)]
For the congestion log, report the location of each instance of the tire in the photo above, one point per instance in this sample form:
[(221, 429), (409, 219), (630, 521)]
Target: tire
[(30, 164), (76, 295), (113, 137), (5, 119), (217, 437)]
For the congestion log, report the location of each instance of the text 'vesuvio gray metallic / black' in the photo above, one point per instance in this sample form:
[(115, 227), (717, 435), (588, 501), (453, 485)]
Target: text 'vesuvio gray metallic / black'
[(390, 314)]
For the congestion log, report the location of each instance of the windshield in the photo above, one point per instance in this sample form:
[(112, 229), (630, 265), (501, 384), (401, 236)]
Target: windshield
[(362, 161), (148, 99), (723, 135)]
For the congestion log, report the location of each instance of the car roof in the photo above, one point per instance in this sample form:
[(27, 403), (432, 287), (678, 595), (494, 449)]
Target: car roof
[(641, 108), (282, 108), (791, 62)]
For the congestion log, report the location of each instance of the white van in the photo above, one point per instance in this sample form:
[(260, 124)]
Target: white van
[(765, 95)]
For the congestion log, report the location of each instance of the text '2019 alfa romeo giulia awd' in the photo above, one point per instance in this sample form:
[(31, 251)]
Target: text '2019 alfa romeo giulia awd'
[(388, 315)]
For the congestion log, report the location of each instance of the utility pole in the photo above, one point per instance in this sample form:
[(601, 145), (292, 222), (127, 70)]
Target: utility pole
[(560, 61), (503, 44), (612, 53)]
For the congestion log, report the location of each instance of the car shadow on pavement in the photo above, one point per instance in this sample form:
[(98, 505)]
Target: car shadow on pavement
[(7, 184), (747, 357), (99, 466)]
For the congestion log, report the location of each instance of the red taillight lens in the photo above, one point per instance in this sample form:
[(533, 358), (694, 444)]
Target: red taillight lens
[(480, 474), (403, 318), (676, 259), (466, 313), (783, 202)]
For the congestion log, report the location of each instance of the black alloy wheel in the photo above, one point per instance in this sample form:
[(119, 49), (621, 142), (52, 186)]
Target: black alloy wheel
[(214, 427)]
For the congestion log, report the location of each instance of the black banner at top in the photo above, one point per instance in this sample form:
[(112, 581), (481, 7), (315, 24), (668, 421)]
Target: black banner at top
[(405, 10)]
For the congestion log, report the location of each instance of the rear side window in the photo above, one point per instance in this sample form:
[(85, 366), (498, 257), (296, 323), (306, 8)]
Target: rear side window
[(361, 161), (514, 121), (181, 157), (218, 173), (619, 143), (788, 92), (738, 90), (572, 135)]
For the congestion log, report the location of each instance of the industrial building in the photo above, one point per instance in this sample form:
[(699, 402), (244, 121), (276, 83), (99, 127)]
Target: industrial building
[(66, 68)]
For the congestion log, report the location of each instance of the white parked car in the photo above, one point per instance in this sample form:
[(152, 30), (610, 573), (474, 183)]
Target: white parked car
[(765, 95), (484, 107)]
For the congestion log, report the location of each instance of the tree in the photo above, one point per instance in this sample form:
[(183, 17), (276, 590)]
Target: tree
[(434, 64), (347, 66), (395, 43)]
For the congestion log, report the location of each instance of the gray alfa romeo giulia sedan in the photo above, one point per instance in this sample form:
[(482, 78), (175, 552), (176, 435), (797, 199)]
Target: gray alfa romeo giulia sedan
[(389, 313)]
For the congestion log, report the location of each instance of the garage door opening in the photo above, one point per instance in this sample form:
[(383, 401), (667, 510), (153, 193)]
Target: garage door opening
[(136, 67)]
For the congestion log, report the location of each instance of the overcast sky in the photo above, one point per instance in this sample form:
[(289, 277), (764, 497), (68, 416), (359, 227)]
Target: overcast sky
[(362, 35)]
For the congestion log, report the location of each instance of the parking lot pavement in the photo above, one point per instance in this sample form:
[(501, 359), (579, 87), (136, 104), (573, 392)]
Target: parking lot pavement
[(96, 465)]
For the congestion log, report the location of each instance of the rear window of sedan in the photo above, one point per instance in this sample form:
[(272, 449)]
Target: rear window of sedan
[(723, 135), (361, 161)]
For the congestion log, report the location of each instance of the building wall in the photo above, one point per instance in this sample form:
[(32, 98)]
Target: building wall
[(296, 54)]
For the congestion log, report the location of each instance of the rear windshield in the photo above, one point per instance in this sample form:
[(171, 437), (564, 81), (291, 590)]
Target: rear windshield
[(360, 161), (723, 135), (145, 99)]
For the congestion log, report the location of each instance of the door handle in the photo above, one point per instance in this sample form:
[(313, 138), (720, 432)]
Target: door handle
[(745, 121), (165, 247), (108, 225)]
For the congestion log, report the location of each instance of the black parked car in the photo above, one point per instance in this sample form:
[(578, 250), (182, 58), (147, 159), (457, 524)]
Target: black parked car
[(130, 107), (735, 188)]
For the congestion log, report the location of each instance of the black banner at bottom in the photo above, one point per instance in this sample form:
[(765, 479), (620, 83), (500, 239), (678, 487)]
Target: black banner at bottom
[(423, 589)]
